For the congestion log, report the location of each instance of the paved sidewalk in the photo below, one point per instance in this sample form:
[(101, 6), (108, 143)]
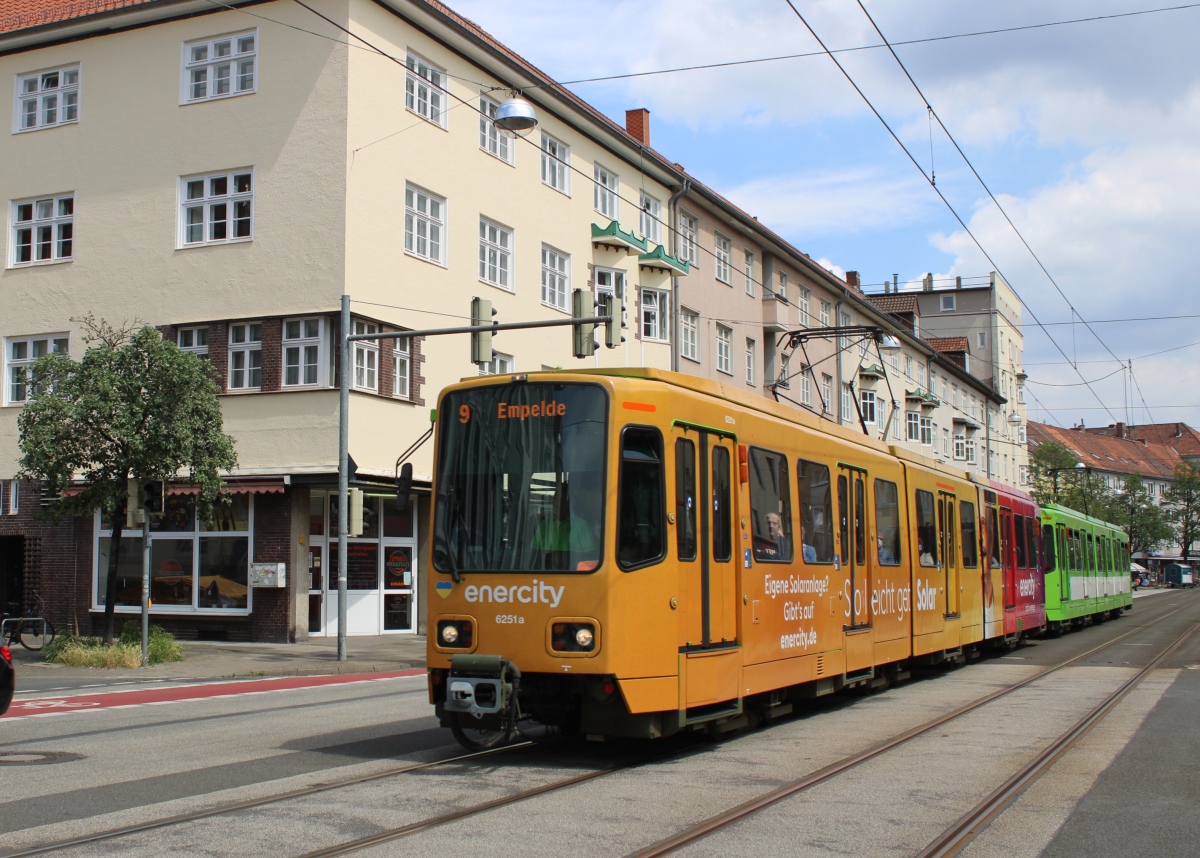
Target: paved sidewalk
[(205, 660)]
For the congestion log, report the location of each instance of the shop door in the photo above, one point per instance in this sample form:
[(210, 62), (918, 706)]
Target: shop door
[(316, 591)]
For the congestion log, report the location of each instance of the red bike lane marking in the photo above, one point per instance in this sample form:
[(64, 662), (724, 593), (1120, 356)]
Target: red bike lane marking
[(176, 694)]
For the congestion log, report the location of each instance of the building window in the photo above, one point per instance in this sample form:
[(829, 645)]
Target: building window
[(654, 314), (609, 282), (366, 358), (782, 294), (912, 421), (784, 378), (921, 375), (216, 209), (220, 68), (43, 230), (724, 349), (826, 313), (194, 340), (689, 227), (689, 333), (245, 356), (947, 303), (650, 218), (749, 273), (14, 497), (556, 277), (556, 157), (303, 352), (424, 221), (847, 413), (806, 385), (424, 86), (46, 99), (981, 339), (827, 392), (608, 185), (926, 431), (844, 321), (495, 254), (866, 401), (1021, 434), (20, 354), (500, 364), (960, 448), (401, 368), (724, 248), (805, 306), (751, 360), (490, 138)]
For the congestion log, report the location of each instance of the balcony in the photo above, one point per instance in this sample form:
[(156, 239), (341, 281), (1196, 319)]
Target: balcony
[(921, 398), (775, 315), (612, 236), (659, 260)]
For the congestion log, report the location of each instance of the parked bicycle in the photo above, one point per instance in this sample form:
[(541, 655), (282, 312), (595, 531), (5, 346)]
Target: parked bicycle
[(33, 633)]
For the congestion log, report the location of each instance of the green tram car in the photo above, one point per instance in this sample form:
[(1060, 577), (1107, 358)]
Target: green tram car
[(1087, 568)]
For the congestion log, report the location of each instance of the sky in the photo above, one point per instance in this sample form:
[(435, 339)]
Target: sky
[(1087, 135)]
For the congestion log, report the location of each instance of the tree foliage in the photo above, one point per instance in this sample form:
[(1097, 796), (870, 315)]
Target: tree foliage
[(1133, 509), (1182, 501), (133, 407)]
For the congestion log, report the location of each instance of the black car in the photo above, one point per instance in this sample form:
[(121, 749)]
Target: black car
[(8, 678)]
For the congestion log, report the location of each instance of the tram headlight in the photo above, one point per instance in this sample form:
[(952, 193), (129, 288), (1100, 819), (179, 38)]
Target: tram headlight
[(449, 634), (573, 637), (584, 638), (455, 634)]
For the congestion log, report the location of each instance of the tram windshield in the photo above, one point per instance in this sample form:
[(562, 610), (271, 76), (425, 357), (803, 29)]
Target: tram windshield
[(520, 479)]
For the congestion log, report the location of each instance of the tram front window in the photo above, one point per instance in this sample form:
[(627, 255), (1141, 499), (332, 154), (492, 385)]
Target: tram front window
[(520, 482)]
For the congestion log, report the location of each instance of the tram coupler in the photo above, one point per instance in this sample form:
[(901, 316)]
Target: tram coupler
[(481, 685)]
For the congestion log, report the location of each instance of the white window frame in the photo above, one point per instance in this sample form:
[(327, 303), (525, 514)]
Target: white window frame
[(366, 358), (806, 386), (782, 294), (305, 351), (608, 193), (751, 360), (496, 254), (912, 424), (805, 303), (981, 339), (402, 368), (926, 431), (425, 224), (245, 342), (16, 368), (192, 339), (867, 402), (827, 392), (491, 139), (749, 272), (556, 277), (689, 229), (826, 313), (500, 364), (607, 282), (725, 349), (46, 99), (216, 207), (45, 226), (689, 334), (556, 164), (656, 305), (724, 251), (223, 66), (425, 89), (14, 497), (960, 447), (947, 304), (847, 404), (650, 217)]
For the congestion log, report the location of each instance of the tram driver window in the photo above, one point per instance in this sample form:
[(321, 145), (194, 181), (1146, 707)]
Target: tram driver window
[(887, 522), (816, 511), (927, 532), (770, 507), (641, 530)]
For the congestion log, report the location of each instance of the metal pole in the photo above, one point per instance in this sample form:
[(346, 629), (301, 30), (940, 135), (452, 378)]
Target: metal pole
[(343, 475), (145, 588)]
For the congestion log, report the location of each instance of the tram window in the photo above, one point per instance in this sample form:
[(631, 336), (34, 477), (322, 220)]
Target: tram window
[(770, 506), (949, 531), (1091, 554), (992, 525), (927, 548), (843, 503), (641, 534), (816, 511), (970, 541), (1031, 538), (685, 498), (1022, 557), (1048, 545), (887, 522), (722, 506), (860, 520)]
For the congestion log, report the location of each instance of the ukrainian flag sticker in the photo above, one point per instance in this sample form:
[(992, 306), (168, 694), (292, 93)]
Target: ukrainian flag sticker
[(443, 588)]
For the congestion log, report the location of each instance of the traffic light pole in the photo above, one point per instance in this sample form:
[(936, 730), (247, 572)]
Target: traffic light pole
[(344, 370)]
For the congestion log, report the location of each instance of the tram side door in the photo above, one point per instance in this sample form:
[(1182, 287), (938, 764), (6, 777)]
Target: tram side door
[(707, 557), (1008, 559), (853, 532), (947, 529)]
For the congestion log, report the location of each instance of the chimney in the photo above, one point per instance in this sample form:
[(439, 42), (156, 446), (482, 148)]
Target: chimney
[(637, 123), (852, 281), (927, 283), (1178, 430), (1120, 431), (957, 282)]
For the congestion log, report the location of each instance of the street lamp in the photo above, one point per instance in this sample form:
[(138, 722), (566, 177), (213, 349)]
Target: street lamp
[(516, 116)]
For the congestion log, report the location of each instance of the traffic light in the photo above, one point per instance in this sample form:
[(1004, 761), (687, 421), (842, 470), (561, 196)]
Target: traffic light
[(133, 505), (612, 333), (153, 496), (481, 341), (583, 306), (354, 513)]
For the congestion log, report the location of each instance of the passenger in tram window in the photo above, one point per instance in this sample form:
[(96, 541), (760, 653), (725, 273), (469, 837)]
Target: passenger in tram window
[(774, 544), (924, 557), (810, 553), (885, 556)]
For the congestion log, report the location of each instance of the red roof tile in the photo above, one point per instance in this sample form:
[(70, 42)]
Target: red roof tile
[(1104, 453), (949, 344), (895, 304), (22, 14)]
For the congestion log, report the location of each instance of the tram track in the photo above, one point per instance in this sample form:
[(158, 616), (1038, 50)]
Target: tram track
[(959, 835)]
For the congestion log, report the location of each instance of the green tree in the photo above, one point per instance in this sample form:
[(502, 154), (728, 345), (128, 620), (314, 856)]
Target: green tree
[(1133, 510), (1057, 477), (133, 407), (1182, 502)]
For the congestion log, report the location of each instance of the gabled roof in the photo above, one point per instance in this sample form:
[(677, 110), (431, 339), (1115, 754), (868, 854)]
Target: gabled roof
[(1112, 455), (949, 345), (1182, 438)]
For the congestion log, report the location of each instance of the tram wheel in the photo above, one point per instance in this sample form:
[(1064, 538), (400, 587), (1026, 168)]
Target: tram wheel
[(473, 737)]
